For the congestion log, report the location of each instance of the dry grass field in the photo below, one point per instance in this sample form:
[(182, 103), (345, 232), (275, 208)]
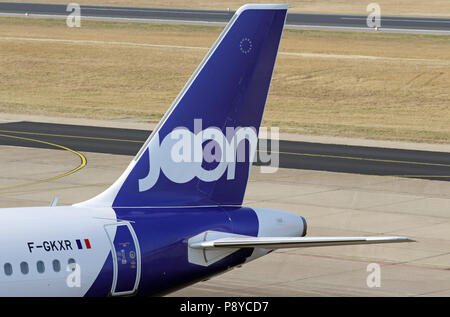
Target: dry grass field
[(388, 7), (372, 85)]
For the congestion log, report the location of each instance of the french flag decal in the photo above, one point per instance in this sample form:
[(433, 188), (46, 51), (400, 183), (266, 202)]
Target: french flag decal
[(87, 244)]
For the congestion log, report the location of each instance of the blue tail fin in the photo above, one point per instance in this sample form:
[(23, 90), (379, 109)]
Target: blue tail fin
[(201, 152)]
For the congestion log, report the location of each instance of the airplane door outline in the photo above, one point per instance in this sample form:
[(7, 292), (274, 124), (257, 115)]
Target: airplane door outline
[(112, 231)]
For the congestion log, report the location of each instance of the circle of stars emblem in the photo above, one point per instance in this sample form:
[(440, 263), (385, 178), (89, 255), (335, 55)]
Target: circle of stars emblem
[(245, 45)]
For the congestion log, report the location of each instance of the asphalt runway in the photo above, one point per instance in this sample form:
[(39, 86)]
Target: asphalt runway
[(294, 20), (292, 154)]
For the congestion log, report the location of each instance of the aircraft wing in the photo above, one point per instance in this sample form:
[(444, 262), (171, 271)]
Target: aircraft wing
[(292, 242)]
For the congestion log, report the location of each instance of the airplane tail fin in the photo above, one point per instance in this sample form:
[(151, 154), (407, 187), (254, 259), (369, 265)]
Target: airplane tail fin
[(201, 152)]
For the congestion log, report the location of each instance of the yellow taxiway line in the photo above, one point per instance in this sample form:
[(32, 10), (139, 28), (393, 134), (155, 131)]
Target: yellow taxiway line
[(81, 156), (286, 153)]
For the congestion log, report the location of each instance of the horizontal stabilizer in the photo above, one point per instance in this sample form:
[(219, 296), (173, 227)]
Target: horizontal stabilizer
[(292, 242)]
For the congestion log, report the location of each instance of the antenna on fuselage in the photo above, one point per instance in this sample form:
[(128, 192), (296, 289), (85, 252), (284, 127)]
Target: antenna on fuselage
[(54, 202)]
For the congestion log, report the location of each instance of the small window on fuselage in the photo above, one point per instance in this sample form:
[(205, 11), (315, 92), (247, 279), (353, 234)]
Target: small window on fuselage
[(8, 269), (24, 268), (56, 266), (71, 264), (40, 266)]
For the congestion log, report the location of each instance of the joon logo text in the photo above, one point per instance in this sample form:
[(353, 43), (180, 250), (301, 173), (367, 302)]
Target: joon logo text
[(206, 154)]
